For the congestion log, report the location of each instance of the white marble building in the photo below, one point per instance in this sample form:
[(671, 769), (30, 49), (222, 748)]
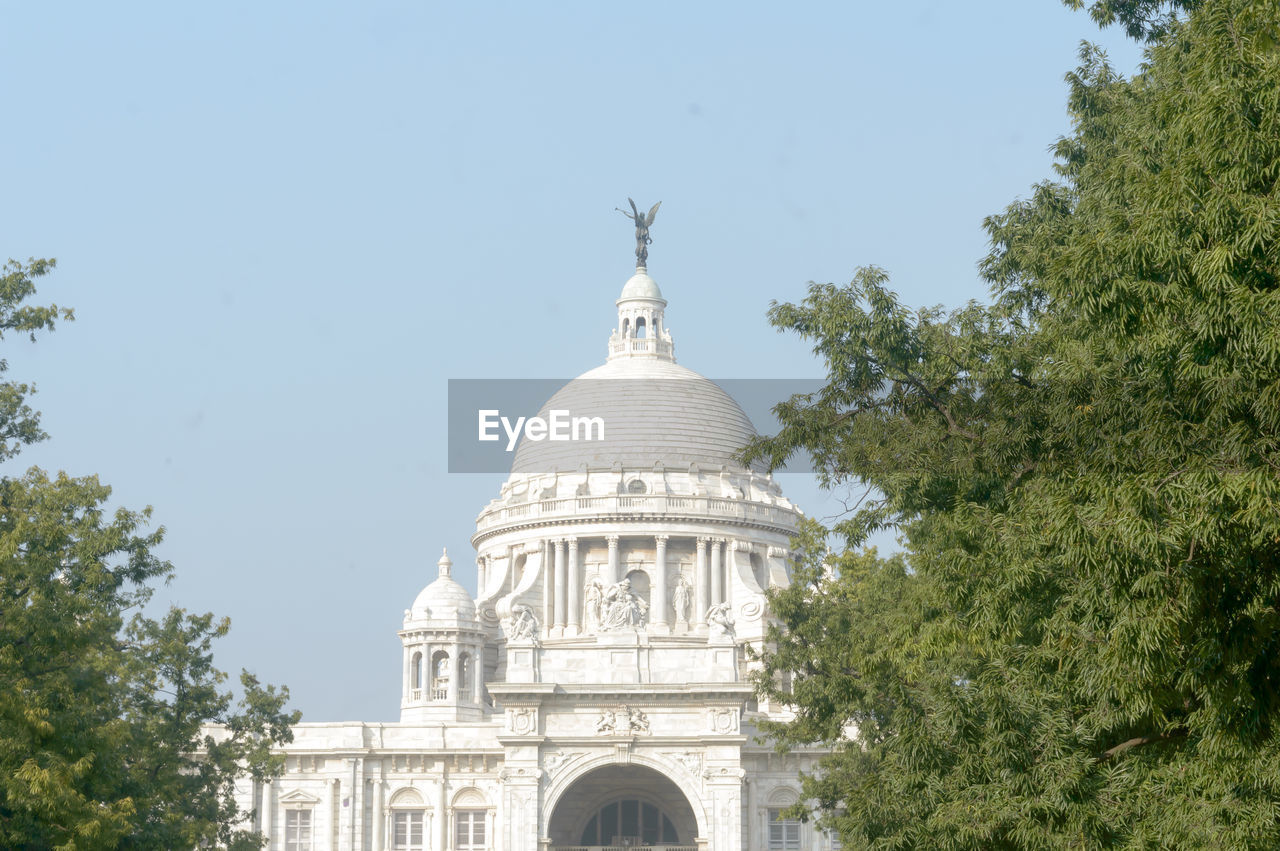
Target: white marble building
[(595, 693)]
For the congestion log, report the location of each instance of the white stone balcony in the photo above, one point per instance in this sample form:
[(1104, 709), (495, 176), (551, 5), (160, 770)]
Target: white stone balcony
[(638, 346)]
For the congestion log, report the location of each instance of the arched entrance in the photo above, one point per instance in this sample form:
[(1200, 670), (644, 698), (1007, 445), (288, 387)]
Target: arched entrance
[(617, 805)]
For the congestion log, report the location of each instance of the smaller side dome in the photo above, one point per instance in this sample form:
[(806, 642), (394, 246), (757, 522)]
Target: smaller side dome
[(444, 599)]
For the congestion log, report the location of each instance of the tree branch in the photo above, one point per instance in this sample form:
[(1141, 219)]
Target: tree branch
[(1139, 741)]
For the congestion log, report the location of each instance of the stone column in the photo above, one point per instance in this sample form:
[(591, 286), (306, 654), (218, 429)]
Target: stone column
[(613, 559), (726, 810), (575, 589), (482, 574), (442, 825), (700, 584), (562, 585), (335, 788), (521, 827), (658, 606), (455, 664), (408, 675), (717, 572), (268, 811), (730, 566), (378, 817), (548, 588)]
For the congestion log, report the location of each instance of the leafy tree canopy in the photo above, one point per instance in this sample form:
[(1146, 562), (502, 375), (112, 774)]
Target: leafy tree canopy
[(1147, 20), (1080, 647), (103, 742)]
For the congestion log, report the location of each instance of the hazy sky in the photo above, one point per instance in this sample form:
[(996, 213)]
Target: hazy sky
[(283, 227)]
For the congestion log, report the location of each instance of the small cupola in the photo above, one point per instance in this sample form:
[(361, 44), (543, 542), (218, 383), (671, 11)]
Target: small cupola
[(443, 652), (641, 329)]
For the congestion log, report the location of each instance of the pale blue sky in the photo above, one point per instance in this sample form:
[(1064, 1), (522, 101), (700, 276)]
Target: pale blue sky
[(284, 226)]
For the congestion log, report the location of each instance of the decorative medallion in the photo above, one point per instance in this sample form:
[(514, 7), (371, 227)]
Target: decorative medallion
[(724, 721), (522, 721)]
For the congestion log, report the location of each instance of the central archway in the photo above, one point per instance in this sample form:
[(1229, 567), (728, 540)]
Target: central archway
[(622, 804)]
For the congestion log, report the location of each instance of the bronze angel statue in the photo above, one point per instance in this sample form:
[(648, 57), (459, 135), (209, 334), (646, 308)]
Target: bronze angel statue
[(643, 222)]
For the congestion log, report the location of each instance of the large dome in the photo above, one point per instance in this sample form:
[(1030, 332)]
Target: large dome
[(653, 411)]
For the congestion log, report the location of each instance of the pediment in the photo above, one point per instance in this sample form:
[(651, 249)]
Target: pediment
[(297, 796)]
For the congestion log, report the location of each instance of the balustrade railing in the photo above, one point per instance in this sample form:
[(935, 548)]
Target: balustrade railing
[(625, 504), (623, 847)]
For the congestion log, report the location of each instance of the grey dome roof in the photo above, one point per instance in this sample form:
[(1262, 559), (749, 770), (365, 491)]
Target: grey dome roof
[(653, 410)]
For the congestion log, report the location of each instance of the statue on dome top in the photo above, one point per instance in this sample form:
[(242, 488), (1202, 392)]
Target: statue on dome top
[(643, 222)]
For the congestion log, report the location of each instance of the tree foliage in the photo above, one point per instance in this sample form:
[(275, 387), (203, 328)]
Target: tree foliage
[(1081, 645), (102, 709), (1148, 20)]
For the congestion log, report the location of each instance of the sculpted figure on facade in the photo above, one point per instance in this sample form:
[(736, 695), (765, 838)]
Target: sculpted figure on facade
[(621, 608), (523, 625), (719, 619), (636, 721), (622, 720), (680, 599), (595, 595)]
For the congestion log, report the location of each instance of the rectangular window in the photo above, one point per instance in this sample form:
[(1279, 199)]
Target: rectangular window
[(468, 830), (297, 830), (406, 831), (784, 833)]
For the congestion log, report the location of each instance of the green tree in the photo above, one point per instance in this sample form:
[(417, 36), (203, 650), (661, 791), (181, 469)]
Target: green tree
[(1080, 647), (103, 742)]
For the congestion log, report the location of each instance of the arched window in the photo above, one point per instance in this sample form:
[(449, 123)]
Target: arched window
[(415, 674), (784, 832), (440, 675), (626, 327), (640, 327), (464, 675), (408, 821), (629, 822), (470, 814)]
